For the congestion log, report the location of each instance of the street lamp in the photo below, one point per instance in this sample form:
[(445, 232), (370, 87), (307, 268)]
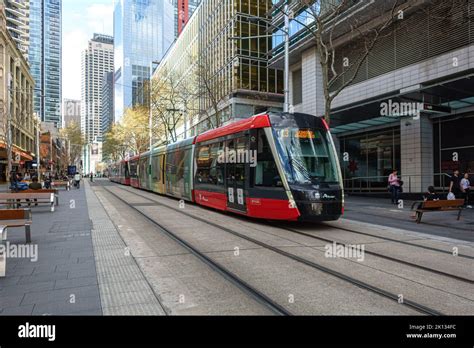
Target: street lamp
[(150, 121)]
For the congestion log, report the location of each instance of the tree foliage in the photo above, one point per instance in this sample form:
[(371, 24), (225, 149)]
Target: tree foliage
[(72, 133), (130, 137), (327, 21)]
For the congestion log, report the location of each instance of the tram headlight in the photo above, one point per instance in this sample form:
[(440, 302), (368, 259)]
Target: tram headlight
[(317, 195)]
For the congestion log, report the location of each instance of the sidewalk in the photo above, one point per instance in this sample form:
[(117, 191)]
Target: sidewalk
[(381, 212), (63, 280), (83, 266)]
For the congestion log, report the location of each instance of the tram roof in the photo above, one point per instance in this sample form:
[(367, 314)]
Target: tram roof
[(258, 121)]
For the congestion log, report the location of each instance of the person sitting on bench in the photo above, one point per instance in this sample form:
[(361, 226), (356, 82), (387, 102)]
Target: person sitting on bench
[(431, 195), (35, 185)]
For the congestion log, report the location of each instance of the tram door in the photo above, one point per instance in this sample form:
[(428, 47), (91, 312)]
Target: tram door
[(236, 174)]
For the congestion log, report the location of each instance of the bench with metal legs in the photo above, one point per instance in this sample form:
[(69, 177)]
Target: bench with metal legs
[(16, 218)]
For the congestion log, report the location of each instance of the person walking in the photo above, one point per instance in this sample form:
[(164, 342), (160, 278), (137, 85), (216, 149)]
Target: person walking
[(77, 180), (455, 185), (394, 185), (92, 177), (465, 185)]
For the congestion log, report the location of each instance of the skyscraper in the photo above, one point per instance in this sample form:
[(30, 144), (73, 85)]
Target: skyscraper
[(45, 55), (184, 9), (107, 102), (143, 32), (97, 60), (71, 112), (17, 16)]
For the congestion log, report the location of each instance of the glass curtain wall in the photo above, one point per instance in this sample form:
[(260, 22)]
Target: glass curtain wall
[(367, 159)]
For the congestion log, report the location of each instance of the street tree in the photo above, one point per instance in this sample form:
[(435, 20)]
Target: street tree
[(327, 23), (169, 101), (113, 146), (135, 129), (72, 133), (209, 91)]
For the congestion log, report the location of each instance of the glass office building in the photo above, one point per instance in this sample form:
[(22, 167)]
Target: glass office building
[(45, 58), (143, 32), (232, 72)]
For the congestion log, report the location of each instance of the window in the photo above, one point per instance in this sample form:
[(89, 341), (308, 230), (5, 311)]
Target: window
[(266, 172), (156, 168), (209, 169), (297, 87)]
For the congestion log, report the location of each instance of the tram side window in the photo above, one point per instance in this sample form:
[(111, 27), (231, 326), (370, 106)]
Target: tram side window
[(156, 170), (216, 166), (143, 169), (202, 174), (133, 169), (266, 172)]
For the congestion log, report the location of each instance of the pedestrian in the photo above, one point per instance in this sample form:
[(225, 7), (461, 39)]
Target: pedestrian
[(394, 186), (47, 181), (77, 180), (466, 189), (92, 177), (455, 185)]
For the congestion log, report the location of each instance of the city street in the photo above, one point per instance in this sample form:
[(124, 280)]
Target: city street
[(191, 171), (127, 251)]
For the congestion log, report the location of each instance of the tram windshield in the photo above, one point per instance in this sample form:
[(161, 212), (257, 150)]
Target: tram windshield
[(307, 154)]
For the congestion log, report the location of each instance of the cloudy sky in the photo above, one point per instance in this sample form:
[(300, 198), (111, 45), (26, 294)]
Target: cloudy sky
[(81, 19)]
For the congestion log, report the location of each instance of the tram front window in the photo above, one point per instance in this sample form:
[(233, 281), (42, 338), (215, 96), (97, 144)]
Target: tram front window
[(307, 155)]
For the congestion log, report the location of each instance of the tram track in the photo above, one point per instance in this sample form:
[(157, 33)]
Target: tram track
[(393, 259), (386, 257), (231, 277), (402, 242), (361, 284)]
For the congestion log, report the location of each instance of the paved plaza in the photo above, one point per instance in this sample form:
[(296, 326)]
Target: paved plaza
[(95, 257)]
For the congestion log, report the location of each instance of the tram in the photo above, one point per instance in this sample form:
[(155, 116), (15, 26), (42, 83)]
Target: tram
[(274, 166), (120, 172)]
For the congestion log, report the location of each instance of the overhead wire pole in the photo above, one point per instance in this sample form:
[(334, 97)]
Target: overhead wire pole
[(286, 106), (150, 121)]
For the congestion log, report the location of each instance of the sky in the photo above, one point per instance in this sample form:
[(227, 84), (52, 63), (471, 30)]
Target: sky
[(81, 19)]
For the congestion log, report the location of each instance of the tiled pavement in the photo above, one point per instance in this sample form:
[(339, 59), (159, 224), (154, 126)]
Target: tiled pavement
[(63, 280), (83, 267)]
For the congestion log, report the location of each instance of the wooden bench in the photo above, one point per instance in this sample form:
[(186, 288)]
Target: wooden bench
[(56, 193), (16, 218), (34, 197), (65, 184), (437, 206)]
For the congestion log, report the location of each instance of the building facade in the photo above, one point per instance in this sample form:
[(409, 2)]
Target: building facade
[(411, 104), (71, 112), (45, 58), (221, 62), (143, 32), (184, 9), (17, 14), (16, 105), (107, 102), (97, 60)]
